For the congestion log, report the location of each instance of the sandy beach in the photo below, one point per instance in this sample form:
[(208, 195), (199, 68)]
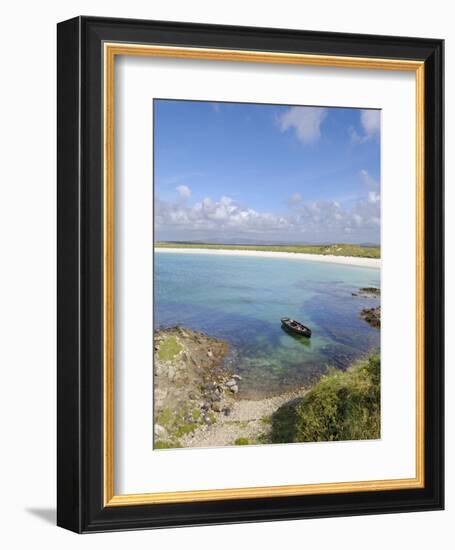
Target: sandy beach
[(248, 418), (374, 263)]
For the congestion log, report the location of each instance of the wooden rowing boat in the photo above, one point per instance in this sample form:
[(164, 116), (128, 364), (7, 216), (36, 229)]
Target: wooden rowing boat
[(295, 327)]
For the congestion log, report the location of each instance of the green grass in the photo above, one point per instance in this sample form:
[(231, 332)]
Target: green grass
[(169, 348), (179, 423), (174, 421), (165, 418), (196, 415), (341, 406), (242, 441), (332, 249), (185, 428), (166, 445)]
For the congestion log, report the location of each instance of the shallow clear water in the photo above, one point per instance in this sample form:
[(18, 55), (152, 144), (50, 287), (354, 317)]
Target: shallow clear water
[(241, 300)]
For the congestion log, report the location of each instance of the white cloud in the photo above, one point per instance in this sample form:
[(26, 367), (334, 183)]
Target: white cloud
[(184, 191), (373, 197), (357, 219), (354, 136), (368, 180), (226, 219), (209, 216), (370, 120), (306, 121), (295, 199)]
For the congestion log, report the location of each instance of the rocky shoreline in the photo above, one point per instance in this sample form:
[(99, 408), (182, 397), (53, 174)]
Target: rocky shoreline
[(372, 315), (192, 386), (198, 400)]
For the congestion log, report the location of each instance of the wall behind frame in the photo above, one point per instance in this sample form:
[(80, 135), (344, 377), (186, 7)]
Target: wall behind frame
[(27, 274)]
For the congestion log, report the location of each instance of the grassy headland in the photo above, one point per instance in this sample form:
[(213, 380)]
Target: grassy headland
[(352, 250), (341, 406)]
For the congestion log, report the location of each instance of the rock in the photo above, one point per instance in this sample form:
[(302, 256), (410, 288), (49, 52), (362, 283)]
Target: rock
[(227, 411), (160, 431), (215, 397), (236, 377), (230, 383), (210, 353), (216, 407), (354, 294), (234, 389), (370, 290), (372, 316)]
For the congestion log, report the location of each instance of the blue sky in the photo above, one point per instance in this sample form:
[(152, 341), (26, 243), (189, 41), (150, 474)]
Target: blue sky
[(236, 172)]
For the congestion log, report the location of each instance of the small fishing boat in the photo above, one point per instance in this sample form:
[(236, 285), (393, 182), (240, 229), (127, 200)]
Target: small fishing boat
[(295, 327)]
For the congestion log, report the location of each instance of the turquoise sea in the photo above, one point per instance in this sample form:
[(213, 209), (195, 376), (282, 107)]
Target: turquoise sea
[(241, 300)]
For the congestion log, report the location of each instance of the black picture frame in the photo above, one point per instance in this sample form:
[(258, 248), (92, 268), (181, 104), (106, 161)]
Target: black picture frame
[(80, 474)]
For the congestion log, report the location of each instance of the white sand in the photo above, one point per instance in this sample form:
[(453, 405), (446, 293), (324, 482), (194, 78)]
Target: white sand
[(374, 263)]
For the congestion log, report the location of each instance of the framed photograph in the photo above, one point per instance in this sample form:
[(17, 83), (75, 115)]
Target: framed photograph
[(250, 274)]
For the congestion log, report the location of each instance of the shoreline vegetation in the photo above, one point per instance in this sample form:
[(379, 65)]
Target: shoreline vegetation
[(342, 406), (361, 256), (198, 401)]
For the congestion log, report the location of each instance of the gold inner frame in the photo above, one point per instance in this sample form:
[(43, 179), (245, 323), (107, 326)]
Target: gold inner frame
[(109, 52)]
